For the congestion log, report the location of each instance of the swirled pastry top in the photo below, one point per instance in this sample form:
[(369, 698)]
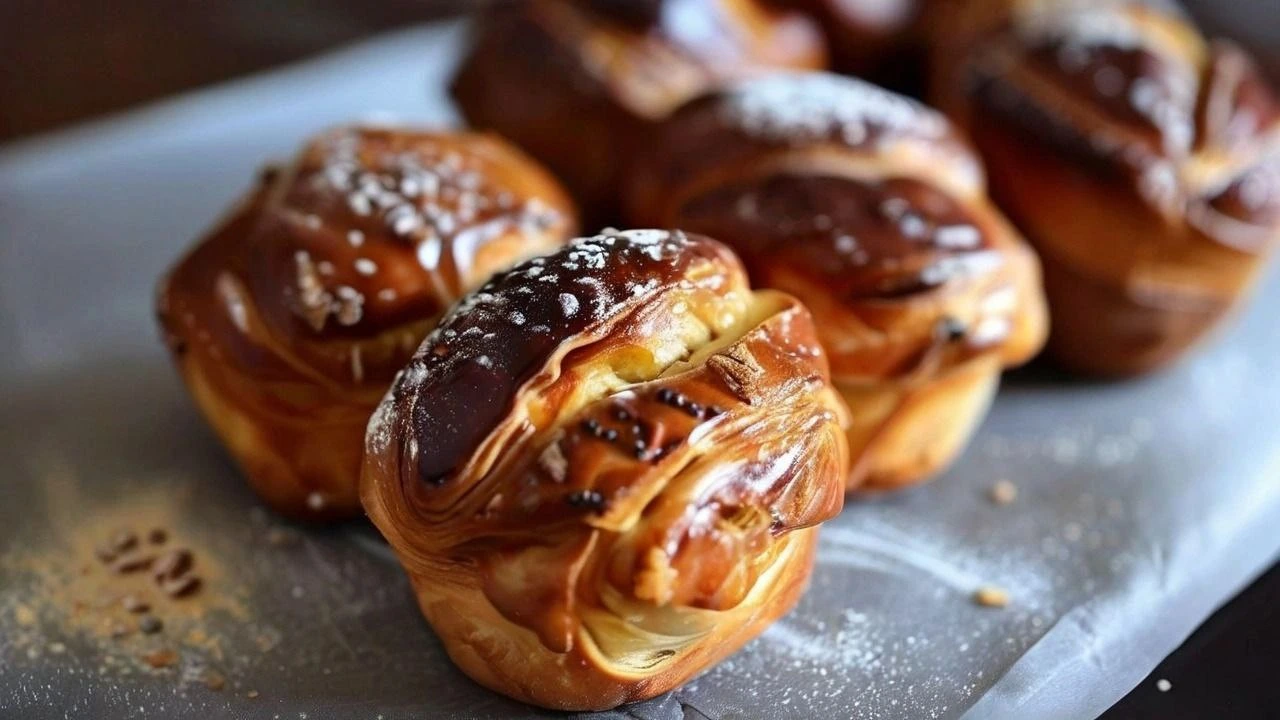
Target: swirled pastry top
[(631, 384), (651, 55), (863, 203), (338, 262), (1132, 87)]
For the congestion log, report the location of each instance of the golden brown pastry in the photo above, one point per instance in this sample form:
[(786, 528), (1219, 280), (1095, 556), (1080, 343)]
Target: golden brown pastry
[(1142, 162), (290, 319), (603, 471), (577, 83), (867, 207)]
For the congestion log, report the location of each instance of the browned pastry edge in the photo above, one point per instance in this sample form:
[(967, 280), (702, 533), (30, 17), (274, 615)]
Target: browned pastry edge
[(1171, 297), (1142, 161), (635, 497), (290, 318)]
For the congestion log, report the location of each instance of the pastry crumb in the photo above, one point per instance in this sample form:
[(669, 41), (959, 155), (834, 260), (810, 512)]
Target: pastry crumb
[(316, 501), (991, 596), (24, 615), (1003, 492), (214, 680), (161, 658)]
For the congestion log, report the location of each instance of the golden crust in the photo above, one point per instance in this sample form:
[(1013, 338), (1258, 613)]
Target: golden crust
[(1142, 161), (579, 83), (289, 320), (603, 470), (870, 209)]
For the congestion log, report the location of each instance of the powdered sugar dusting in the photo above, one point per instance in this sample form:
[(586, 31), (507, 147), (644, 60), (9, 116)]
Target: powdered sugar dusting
[(1081, 27), (400, 187), (568, 304), (420, 193), (508, 299), (797, 108)]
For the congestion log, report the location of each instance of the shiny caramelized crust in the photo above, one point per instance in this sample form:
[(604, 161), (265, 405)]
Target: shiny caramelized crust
[(1142, 161), (290, 319), (868, 208), (603, 471), (578, 83)]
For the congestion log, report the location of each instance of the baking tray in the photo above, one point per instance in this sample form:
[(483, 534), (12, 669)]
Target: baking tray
[(1142, 505)]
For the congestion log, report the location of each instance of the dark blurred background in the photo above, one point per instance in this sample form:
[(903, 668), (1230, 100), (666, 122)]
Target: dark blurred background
[(72, 60)]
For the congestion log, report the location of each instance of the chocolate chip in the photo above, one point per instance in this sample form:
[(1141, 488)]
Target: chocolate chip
[(180, 586), (694, 409), (157, 536), (132, 562), (666, 395), (150, 624), (711, 411), (104, 554), (591, 426), (134, 604), (172, 564), (123, 540)]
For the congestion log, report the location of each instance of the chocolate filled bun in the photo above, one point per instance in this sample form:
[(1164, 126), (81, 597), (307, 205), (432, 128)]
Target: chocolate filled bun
[(605, 469)]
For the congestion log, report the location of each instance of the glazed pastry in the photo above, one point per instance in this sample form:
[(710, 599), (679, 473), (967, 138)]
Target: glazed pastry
[(291, 317), (603, 472), (867, 207), (577, 83), (876, 40), (1142, 161)]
